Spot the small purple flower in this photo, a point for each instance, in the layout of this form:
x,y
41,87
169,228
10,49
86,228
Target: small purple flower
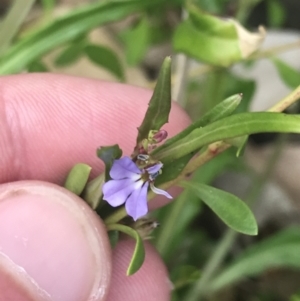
x,y
130,184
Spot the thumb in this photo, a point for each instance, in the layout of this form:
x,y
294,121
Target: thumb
x,y
52,245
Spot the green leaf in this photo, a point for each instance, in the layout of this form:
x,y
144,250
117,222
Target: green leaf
x,y
106,58
108,154
12,20
184,275
238,85
172,170
77,178
65,29
216,7
113,238
276,13
138,255
135,52
289,75
37,66
92,193
280,250
160,103
221,110
229,127
234,85
229,208
69,55
217,41
48,4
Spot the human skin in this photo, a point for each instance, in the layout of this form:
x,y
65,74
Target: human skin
x,y
51,244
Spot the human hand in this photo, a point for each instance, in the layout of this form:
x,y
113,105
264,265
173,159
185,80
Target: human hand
x,y
52,247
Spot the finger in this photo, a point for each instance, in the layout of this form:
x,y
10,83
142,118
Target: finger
x,y
150,283
50,122
52,245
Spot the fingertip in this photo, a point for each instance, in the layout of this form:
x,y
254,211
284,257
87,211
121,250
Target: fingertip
x,y
51,244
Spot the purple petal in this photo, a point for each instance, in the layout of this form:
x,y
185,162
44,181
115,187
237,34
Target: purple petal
x,y
155,168
136,205
116,192
160,191
124,168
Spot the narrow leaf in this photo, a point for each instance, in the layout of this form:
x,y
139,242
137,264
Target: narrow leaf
x,y
138,255
106,58
77,178
65,29
160,103
184,275
289,75
235,85
113,236
229,127
48,5
221,110
135,52
108,154
92,193
37,66
69,55
276,13
172,170
12,21
229,208
280,250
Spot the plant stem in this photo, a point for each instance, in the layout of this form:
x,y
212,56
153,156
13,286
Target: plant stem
x,y
12,21
182,66
116,216
275,50
201,287
163,238
286,101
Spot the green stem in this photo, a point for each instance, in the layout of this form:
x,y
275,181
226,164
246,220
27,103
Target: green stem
x,y
286,101
12,21
116,216
201,287
164,236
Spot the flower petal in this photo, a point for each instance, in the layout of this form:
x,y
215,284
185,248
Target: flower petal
x,y
116,192
124,168
136,205
160,191
155,168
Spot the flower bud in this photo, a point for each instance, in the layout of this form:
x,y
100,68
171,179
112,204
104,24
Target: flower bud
x,y
157,136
